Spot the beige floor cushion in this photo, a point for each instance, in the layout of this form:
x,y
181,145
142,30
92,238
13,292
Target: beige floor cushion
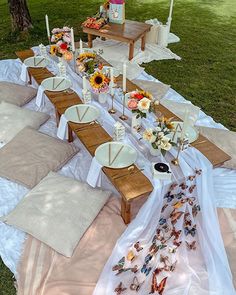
x,y
227,218
58,211
16,94
52,274
13,119
31,155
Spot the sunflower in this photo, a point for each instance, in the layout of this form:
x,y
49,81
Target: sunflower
x,y
86,55
98,80
53,49
146,94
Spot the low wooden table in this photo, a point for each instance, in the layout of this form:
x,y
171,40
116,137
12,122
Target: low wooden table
x,y
129,32
133,187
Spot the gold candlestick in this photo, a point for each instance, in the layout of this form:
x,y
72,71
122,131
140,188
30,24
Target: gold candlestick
x,y
112,110
180,148
123,116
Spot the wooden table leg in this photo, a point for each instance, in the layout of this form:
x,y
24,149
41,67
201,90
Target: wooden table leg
x,y
70,134
131,50
125,211
90,41
143,42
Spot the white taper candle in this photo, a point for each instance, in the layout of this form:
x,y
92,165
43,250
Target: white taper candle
x,y
124,76
80,46
47,26
112,81
72,40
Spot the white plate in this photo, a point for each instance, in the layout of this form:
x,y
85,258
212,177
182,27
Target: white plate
x,y
191,132
107,69
121,155
82,113
36,62
56,84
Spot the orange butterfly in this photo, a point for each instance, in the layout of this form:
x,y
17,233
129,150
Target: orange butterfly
x,y
175,215
157,288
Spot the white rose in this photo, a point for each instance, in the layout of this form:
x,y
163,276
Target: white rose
x,y
144,105
165,145
148,135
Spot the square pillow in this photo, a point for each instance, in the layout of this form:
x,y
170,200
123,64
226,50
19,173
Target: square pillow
x,y
13,119
29,157
58,211
16,94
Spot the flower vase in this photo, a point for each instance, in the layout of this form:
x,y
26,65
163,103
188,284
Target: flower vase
x,y
155,152
102,98
135,123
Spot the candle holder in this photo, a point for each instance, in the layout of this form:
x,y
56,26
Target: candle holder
x,y
123,116
180,148
112,110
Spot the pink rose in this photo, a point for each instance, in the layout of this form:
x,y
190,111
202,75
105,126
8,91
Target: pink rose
x,y
132,104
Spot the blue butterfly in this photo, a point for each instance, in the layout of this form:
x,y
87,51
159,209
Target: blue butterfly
x,y
179,195
145,270
191,231
162,221
148,258
169,197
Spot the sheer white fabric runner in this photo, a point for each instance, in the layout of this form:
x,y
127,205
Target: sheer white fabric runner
x,y
168,218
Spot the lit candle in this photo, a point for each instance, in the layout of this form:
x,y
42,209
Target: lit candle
x,y
124,77
80,46
185,124
47,26
112,81
72,39
84,83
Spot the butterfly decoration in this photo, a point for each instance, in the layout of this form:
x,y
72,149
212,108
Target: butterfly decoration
x,y
173,266
178,204
175,216
164,207
198,171
179,195
191,231
162,221
148,258
173,186
177,243
195,210
132,269
169,197
158,287
135,286
172,250
130,256
137,247
183,186
192,188
166,228
153,249
187,222
146,270
164,259
191,178
191,246
119,265
175,233
119,289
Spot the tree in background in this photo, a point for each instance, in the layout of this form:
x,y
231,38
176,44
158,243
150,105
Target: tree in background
x,y
20,16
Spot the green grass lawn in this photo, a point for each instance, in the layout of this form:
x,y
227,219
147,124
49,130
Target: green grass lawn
x,y
206,74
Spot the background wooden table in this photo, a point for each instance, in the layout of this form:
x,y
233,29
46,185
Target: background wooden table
x,y
129,32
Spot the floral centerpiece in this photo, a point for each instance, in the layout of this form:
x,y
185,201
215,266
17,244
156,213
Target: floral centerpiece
x,y
100,85
140,103
86,63
61,39
157,136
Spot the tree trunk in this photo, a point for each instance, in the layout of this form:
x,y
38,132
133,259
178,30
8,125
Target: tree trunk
x,y
20,15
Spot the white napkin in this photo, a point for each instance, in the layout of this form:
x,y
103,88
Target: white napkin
x,y
24,76
40,99
62,131
94,177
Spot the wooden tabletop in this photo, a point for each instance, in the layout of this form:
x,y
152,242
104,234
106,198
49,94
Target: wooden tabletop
x,y
129,31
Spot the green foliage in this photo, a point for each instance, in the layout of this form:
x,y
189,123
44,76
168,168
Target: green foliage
x,y
205,75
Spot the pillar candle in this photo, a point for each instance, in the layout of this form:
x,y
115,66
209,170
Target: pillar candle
x,y
124,76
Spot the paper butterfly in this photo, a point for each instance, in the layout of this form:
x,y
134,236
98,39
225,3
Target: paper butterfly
x,y
175,215
177,243
172,249
164,207
183,186
119,265
175,233
137,247
192,187
132,269
119,289
158,288
135,286
198,171
146,270
195,210
162,221
191,178
148,258
191,231
173,186
169,197
191,246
